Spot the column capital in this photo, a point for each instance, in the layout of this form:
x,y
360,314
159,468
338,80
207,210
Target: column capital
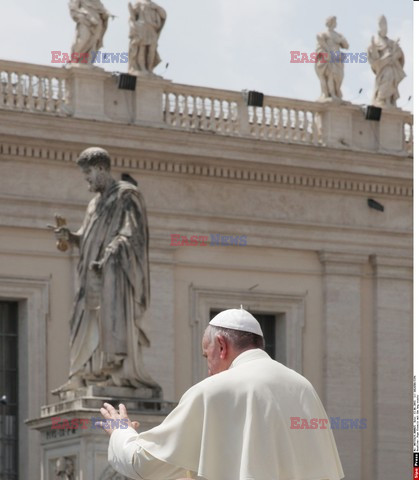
x,y
342,263
385,266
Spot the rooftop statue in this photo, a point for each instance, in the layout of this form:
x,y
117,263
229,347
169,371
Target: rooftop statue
x,y
146,23
387,61
329,67
91,19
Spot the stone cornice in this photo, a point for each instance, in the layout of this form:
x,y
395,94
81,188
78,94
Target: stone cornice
x,y
263,174
31,129
384,266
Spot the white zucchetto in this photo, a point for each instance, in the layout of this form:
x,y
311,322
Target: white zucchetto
x,y
237,319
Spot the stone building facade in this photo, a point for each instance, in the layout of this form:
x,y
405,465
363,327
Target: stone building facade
x,y
284,196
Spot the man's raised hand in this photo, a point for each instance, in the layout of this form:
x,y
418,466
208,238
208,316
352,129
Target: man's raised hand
x,y
114,419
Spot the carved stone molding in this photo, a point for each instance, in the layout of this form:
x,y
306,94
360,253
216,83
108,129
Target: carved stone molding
x,y
308,181
399,268
336,263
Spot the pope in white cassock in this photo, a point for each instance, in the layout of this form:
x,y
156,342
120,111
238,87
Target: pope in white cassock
x,y
234,425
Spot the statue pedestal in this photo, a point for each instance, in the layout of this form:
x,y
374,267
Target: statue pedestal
x,y
72,447
85,91
344,125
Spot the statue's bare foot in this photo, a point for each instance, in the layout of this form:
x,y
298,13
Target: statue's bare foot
x,y
73,383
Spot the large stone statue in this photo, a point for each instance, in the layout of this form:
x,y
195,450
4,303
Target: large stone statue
x,y
387,61
91,19
146,23
329,67
106,336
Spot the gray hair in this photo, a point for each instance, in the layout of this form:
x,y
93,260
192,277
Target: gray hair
x,y
94,157
240,340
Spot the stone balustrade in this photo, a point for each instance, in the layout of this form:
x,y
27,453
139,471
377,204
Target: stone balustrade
x,y
92,93
287,120
32,88
203,109
226,112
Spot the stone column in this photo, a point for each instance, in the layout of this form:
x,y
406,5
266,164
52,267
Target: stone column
x,y
393,297
342,310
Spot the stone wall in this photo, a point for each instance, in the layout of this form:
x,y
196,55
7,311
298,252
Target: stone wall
x,y
340,271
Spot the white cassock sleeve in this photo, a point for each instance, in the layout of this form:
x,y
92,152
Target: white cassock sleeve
x,y
127,457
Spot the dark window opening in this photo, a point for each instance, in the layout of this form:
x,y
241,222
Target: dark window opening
x,y
9,388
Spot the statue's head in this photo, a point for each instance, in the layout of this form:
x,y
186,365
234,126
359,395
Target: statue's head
x,y
382,26
96,165
331,22
93,157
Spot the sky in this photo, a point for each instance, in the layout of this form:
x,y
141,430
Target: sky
x,y
226,44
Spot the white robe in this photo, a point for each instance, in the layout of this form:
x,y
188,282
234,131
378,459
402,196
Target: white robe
x,y
235,426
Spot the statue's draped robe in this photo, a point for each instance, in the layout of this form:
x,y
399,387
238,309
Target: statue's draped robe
x,y
146,23
331,43
91,19
105,329
235,425
387,61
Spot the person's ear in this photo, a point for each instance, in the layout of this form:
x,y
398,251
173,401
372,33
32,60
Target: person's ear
x,y
222,345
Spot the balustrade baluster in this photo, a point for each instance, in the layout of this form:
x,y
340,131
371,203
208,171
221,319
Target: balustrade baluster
x,y
30,103
270,127
217,114
194,114
3,83
228,124
50,104
305,137
201,113
40,103
60,96
10,100
176,112
315,130
211,117
166,109
19,92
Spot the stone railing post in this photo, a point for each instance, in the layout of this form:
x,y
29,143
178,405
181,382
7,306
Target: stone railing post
x,y
149,100
86,92
336,126
243,116
345,126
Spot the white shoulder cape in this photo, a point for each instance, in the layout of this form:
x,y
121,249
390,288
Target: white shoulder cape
x,y
236,426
